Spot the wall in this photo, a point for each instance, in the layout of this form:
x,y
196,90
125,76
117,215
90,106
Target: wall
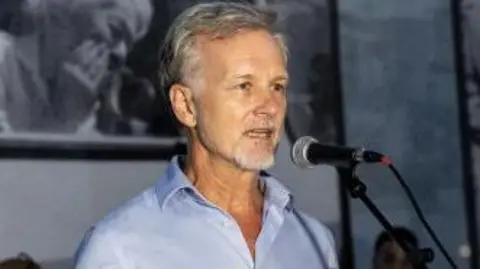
x,y
46,206
401,99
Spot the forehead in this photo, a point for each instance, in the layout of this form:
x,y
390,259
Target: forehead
x,y
249,45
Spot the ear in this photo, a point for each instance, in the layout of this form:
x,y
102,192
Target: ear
x,y
183,105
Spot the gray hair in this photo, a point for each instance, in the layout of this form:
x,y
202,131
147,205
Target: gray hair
x,y
217,20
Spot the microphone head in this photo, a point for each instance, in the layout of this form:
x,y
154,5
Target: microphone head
x,y
299,151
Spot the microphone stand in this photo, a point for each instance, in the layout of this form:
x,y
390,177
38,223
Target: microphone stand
x,y
418,257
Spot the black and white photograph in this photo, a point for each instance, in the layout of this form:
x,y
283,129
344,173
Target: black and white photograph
x,y
83,74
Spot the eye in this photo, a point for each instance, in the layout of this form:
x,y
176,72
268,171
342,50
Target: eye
x,y
279,87
245,86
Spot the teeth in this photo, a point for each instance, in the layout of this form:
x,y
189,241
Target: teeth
x,y
260,133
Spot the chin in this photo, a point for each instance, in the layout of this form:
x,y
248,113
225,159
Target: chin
x,y
256,156
254,162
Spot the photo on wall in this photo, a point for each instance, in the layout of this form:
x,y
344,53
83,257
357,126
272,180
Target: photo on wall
x,y
72,77
78,78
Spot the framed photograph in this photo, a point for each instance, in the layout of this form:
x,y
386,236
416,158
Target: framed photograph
x,y
78,79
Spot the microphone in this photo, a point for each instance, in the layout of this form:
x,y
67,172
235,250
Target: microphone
x,y
307,152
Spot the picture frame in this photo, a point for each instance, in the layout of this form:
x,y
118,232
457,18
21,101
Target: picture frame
x,y
78,80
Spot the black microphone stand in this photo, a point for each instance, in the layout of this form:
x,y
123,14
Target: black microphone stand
x,y
418,257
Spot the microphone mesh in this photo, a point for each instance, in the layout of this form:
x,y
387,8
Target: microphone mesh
x,y
299,152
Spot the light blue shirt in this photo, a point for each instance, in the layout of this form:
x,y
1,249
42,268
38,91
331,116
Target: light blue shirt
x,y
172,226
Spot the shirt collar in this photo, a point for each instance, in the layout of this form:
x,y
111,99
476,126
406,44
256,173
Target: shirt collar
x,y
275,192
175,180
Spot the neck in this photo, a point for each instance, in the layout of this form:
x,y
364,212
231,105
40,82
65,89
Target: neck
x,y
224,184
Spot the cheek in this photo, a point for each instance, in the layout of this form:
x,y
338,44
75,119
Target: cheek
x,y
282,113
220,120
228,112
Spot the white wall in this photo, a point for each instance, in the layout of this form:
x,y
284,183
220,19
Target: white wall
x,y
46,206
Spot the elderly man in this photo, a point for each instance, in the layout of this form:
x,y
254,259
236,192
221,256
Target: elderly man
x,y
225,70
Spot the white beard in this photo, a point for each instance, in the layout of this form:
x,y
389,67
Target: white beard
x,y
250,162
240,155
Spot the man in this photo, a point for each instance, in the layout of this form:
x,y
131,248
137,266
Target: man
x,y
225,70
61,64
388,254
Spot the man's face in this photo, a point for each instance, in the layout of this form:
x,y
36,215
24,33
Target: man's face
x,y
242,100
391,256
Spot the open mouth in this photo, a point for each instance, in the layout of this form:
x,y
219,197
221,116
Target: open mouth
x,y
260,133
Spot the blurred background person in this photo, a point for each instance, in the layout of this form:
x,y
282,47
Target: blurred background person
x,y
388,254
22,261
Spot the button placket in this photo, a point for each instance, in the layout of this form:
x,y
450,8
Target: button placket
x,y
225,225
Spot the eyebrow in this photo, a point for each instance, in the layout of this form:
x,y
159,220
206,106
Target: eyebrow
x,y
249,76
281,77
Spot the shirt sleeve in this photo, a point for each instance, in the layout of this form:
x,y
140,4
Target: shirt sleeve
x,y
97,251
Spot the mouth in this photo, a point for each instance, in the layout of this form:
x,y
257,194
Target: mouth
x,y
260,133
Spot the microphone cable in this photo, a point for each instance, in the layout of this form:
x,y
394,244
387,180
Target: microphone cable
x,y
386,161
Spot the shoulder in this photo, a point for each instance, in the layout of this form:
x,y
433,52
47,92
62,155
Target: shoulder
x,y
130,215
105,239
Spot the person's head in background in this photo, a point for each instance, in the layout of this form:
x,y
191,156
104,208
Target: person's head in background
x,y
388,254
22,261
